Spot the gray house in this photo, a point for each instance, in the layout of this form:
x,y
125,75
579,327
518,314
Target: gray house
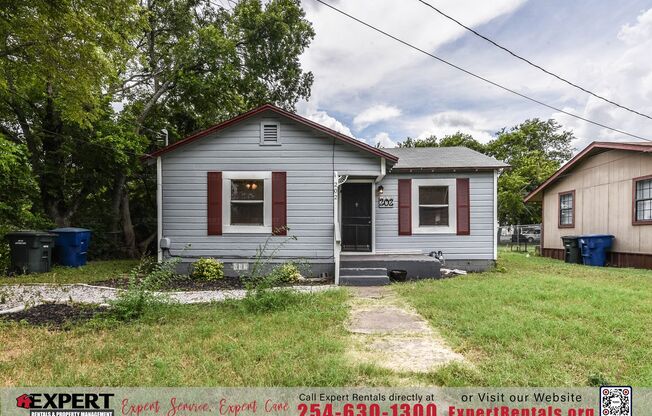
x,y
350,208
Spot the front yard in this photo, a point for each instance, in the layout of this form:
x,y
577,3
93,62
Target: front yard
x,y
533,321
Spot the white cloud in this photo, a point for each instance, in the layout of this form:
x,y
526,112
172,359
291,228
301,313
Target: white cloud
x,y
323,118
384,140
641,31
375,114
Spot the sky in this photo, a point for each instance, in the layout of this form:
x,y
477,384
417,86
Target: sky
x,y
372,88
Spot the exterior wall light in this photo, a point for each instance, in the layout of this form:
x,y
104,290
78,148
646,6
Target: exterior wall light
x,y
380,190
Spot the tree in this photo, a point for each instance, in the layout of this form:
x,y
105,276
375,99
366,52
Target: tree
x,y
56,60
535,149
198,64
464,140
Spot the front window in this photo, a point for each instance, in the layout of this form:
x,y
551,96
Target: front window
x,y
643,201
433,206
247,202
566,209
247,198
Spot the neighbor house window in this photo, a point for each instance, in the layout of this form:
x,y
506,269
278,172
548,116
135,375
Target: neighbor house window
x,y
433,206
247,202
567,209
643,200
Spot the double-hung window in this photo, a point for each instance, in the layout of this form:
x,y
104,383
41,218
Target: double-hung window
x,y
247,202
643,200
567,209
433,206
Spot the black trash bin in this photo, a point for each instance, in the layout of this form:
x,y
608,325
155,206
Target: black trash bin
x,y
572,249
31,251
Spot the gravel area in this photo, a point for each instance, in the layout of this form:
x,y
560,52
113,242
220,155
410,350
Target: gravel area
x,y
14,298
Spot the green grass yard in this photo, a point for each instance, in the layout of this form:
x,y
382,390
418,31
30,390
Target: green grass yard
x,y
94,271
534,322
540,322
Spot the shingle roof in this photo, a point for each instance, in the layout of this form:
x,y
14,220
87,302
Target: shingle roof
x,y
442,158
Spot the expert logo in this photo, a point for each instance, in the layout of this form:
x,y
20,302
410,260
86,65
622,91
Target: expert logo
x,y
66,404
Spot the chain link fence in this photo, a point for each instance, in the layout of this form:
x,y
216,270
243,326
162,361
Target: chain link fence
x,y
519,236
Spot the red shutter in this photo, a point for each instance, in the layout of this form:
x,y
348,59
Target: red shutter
x,y
463,207
279,203
214,203
404,207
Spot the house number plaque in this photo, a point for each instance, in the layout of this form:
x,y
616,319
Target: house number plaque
x,y
385,202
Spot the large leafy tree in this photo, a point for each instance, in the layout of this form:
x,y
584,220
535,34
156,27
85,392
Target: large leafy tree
x,y
86,86
199,63
535,149
56,59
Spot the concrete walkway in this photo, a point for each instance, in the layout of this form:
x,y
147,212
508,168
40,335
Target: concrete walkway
x,y
388,333
14,298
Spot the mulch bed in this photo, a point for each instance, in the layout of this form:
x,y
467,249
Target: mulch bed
x,y
190,284
56,315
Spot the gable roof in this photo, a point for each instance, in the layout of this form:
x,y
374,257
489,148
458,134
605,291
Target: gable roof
x,y
590,150
292,116
442,158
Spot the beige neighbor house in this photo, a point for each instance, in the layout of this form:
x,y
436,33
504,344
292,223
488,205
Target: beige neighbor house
x,y
604,189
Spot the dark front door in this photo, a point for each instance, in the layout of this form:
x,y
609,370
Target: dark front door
x,y
356,217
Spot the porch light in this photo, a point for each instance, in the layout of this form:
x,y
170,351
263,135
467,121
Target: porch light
x,y
380,190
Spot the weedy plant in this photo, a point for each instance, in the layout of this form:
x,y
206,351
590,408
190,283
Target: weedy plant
x,y
144,279
259,281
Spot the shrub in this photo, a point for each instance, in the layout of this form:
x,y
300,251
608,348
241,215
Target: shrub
x,y
286,273
208,269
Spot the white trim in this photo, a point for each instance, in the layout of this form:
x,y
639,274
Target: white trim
x,y
451,228
277,142
337,247
159,208
227,228
495,192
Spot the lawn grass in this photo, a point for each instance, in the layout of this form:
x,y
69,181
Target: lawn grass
x,y
221,344
94,271
541,322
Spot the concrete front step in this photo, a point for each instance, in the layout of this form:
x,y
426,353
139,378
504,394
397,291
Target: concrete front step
x,y
364,280
363,271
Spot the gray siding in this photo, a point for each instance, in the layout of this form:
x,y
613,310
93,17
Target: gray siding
x,y
479,245
308,157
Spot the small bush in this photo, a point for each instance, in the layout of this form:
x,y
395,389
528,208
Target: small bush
x,y
208,269
286,273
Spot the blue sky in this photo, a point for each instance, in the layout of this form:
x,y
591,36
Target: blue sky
x,y
377,90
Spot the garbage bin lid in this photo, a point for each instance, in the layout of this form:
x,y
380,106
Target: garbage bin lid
x,y
70,230
597,236
30,233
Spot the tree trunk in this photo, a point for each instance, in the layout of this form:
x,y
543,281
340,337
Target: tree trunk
x,y
127,227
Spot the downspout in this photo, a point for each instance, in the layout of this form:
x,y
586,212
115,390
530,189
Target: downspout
x,y
383,170
159,208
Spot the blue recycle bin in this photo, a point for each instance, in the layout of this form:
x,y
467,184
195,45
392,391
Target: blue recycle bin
x,y
594,248
71,246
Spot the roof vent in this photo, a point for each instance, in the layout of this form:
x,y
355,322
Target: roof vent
x,y
270,133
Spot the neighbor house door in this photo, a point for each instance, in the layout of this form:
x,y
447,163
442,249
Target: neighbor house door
x,y
356,217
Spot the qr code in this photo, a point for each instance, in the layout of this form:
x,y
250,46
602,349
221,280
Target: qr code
x,y
616,401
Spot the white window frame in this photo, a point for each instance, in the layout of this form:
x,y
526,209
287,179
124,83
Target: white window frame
x,y
227,228
451,228
277,142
